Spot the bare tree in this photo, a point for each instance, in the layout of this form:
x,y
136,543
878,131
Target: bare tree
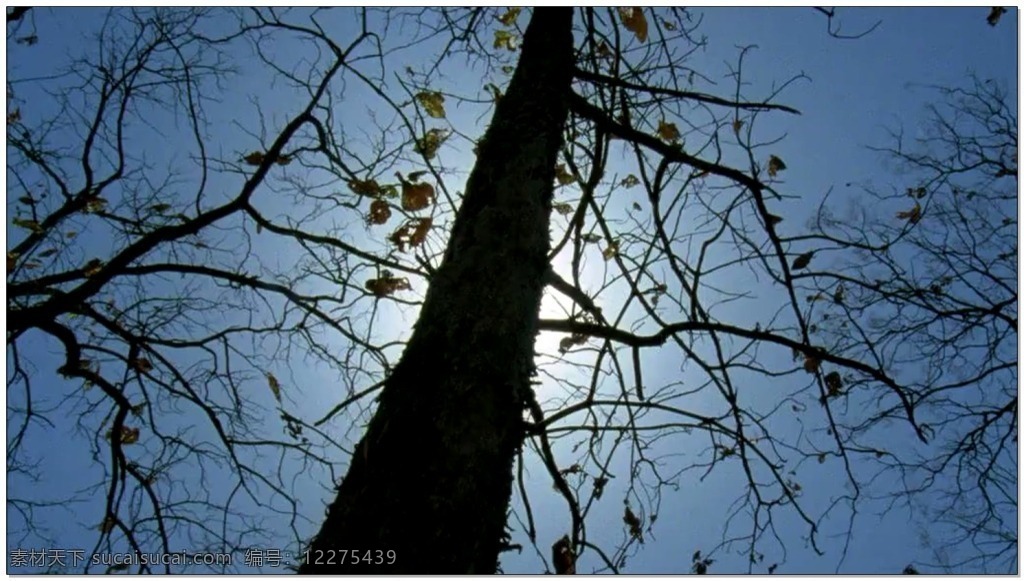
x,y
930,288
189,293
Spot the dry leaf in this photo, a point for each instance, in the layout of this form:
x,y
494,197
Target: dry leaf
x,y
611,251
364,187
562,208
775,165
838,295
564,177
802,261
912,215
92,267
14,116
563,557
433,103
504,39
591,238
275,386
629,181
811,363
633,523
668,24
254,158
380,211
12,260
773,219
386,284
95,204
28,224
127,435
737,125
668,131
142,364
509,17
634,20
428,145
416,196
834,383
108,524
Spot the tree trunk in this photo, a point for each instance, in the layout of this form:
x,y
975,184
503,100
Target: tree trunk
x,y
432,478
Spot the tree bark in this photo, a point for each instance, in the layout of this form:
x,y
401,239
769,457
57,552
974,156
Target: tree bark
x,y
431,479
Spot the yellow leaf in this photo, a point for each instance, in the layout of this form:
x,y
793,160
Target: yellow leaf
x,y
504,39
275,386
95,204
416,196
564,177
29,224
668,131
509,17
562,208
629,181
634,21
127,435
380,211
428,145
254,158
611,251
912,215
92,267
775,165
433,103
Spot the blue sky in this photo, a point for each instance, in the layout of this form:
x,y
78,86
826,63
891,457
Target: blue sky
x,y
853,92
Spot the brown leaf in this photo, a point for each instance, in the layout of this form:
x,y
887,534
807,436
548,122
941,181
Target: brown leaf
x,y
834,383
386,285
773,219
802,261
92,267
142,364
14,116
416,196
254,158
12,260
108,524
629,181
633,523
737,125
380,211
563,557
28,224
634,20
811,364
364,187
775,165
912,215
275,386
668,131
